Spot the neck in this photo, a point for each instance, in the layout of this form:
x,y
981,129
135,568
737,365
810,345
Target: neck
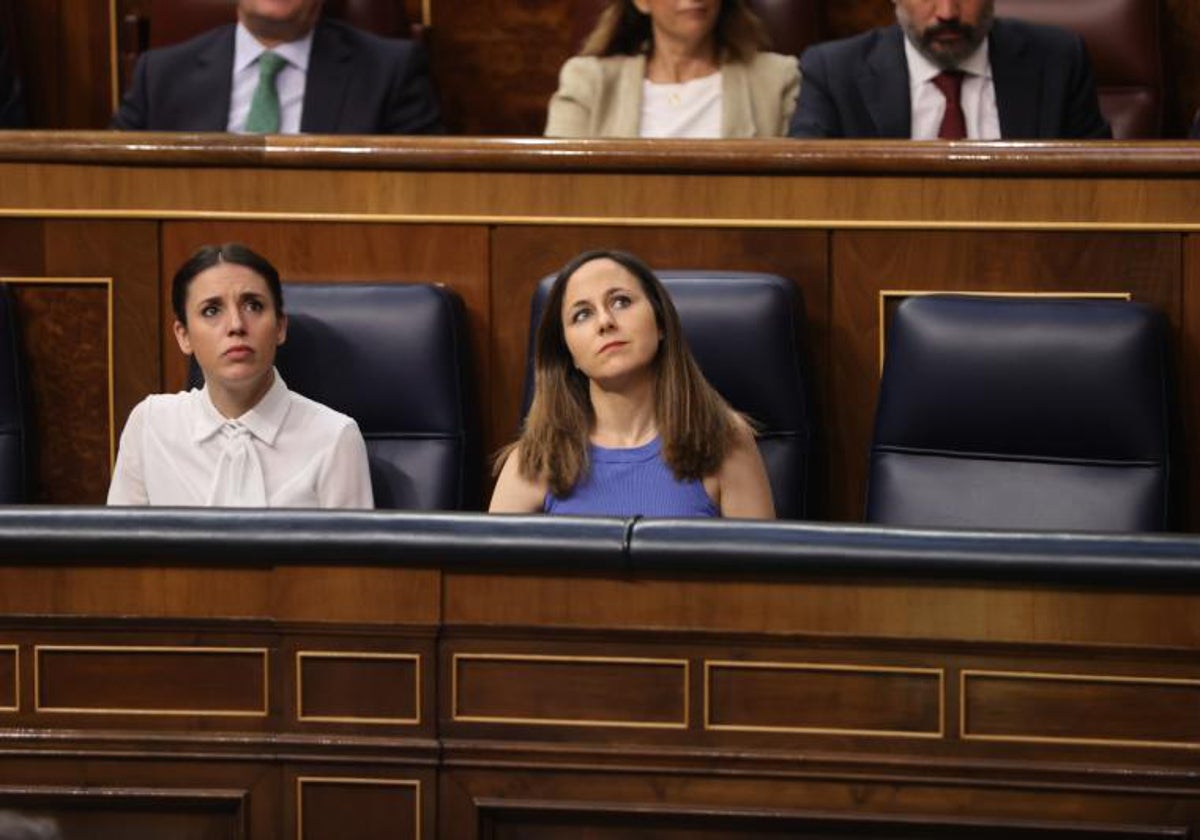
x,y
625,416
232,402
673,62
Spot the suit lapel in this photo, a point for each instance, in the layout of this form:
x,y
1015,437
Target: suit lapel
x,y
883,83
737,119
1016,75
210,85
329,69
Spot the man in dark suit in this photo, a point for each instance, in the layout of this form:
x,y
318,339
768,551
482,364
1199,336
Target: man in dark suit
x,y
335,79
1015,80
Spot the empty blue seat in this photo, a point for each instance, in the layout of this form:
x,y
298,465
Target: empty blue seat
x,y
1022,413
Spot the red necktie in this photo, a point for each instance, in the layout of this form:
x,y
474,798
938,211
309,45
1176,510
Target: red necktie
x,y
954,122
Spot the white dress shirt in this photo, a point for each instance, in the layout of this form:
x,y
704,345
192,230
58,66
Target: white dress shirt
x,y
289,83
682,109
287,451
978,95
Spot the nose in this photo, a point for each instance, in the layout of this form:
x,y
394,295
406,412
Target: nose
x,y
237,324
606,321
946,9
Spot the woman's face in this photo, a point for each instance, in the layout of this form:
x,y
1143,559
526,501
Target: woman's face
x,y
232,327
688,23
609,323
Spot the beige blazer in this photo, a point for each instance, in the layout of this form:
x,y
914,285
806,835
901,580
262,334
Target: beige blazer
x,y
602,97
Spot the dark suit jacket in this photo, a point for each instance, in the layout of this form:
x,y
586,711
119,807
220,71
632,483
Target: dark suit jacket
x,y
357,83
858,87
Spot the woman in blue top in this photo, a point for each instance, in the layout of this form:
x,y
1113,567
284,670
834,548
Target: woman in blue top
x,y
623,422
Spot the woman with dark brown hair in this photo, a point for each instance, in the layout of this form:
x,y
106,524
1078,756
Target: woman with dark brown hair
x,y
675,68
623,422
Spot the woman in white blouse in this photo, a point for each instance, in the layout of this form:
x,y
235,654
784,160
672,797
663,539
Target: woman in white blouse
x,y
244,439
675,68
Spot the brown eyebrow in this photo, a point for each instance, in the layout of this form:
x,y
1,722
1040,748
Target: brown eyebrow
x,y
607,293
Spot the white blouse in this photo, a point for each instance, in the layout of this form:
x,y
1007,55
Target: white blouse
x,y
686,109
287,451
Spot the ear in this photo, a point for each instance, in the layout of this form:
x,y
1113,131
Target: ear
x,y
281,330
181,335
643,6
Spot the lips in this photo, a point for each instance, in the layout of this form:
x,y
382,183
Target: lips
x,y
612,345
240,351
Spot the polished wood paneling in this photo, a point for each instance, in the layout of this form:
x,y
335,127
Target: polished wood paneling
x,y
133,814
534,821
127,252
1128,711
496,63
569,690
335,807
66,61
309,593
10,694
358,687
864,263
827,606
762,696
158,680
66,343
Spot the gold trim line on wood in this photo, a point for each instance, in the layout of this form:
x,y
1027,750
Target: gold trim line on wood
x,y
534,657
885,295
327,654
233,651
16,699
1057,677
110,340
427,13
415,784
601,221
940,673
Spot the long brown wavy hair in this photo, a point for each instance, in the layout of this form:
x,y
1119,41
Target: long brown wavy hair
x,y
622,29
695,424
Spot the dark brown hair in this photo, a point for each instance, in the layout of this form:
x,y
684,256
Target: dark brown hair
x,y
622,29
695,423
206,256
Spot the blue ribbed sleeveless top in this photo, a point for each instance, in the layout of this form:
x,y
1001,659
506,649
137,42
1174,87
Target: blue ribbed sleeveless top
x,y
630,482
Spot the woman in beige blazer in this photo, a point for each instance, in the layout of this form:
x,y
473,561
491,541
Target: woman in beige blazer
x,y
645,58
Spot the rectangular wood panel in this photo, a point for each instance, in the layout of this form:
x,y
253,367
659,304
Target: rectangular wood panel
x,y
1098,709
334,808
151,680
570,690
10,687
842,699
348,687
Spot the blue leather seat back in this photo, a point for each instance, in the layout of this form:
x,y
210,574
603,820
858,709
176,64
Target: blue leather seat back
x,y
1020,413
15,424
394,357
744,329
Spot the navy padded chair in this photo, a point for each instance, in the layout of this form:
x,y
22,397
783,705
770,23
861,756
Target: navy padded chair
x,y
1022,413
15,425
394,357
744,330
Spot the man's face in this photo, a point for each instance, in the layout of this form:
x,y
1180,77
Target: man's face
x,y
945,31
277,21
